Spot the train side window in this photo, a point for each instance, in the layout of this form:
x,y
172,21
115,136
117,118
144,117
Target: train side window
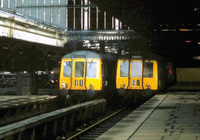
x,y
91,69
136,69
67,72
148,69
79,69
124,69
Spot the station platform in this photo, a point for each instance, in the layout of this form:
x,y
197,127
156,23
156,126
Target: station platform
x,y
14,101
14,108
170,116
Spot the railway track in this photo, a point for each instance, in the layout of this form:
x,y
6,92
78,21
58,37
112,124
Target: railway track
x,y
99,127
95,128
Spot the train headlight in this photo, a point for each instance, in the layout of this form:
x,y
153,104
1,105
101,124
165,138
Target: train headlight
x,y
63,85
148,86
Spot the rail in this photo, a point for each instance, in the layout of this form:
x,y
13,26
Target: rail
x,y
95,124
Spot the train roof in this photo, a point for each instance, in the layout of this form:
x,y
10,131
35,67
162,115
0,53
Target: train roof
x,y
88,54
141,55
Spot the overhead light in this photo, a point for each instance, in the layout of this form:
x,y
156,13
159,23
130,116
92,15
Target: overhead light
x,y
188,41
196,8
5,48
196,57
184,30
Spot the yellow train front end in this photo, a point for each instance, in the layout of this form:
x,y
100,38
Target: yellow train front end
x,y
136,74
81,73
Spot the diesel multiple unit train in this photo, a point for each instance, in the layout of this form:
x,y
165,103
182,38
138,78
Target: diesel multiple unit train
x,y
90,73
87,72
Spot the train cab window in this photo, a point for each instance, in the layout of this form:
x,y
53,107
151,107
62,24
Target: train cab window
x,y
67,71
148,69
79,69
124,66
136,69
91,69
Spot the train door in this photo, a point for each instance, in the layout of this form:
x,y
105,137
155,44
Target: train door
x,y
78,75
93,80
122,74
150,75
66,73
135,81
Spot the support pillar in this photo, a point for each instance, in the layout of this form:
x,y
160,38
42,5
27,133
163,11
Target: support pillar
x,y
86,19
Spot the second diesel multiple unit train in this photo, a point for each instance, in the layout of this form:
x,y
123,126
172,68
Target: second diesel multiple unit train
x,y
89,73
143,72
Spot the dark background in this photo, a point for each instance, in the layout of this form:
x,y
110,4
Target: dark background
x,y
161,21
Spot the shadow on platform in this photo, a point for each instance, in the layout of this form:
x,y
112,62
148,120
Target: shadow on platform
x,y
40,91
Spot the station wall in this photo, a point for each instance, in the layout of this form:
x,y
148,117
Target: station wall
x,y
188,75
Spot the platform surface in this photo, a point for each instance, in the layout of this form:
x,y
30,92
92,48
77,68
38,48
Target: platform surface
x,y
170,116
7,101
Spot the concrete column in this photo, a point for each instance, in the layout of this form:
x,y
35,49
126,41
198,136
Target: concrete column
x,y
44,10
24,84
37,11
102,46
81,15
59,10
29,11
66,15
22,8
89,16
97,18
1,3
51,11
9,4
120,26
86,19
15,3
64,124
74,23
113,23
32,136
55,124
104,20
116,24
